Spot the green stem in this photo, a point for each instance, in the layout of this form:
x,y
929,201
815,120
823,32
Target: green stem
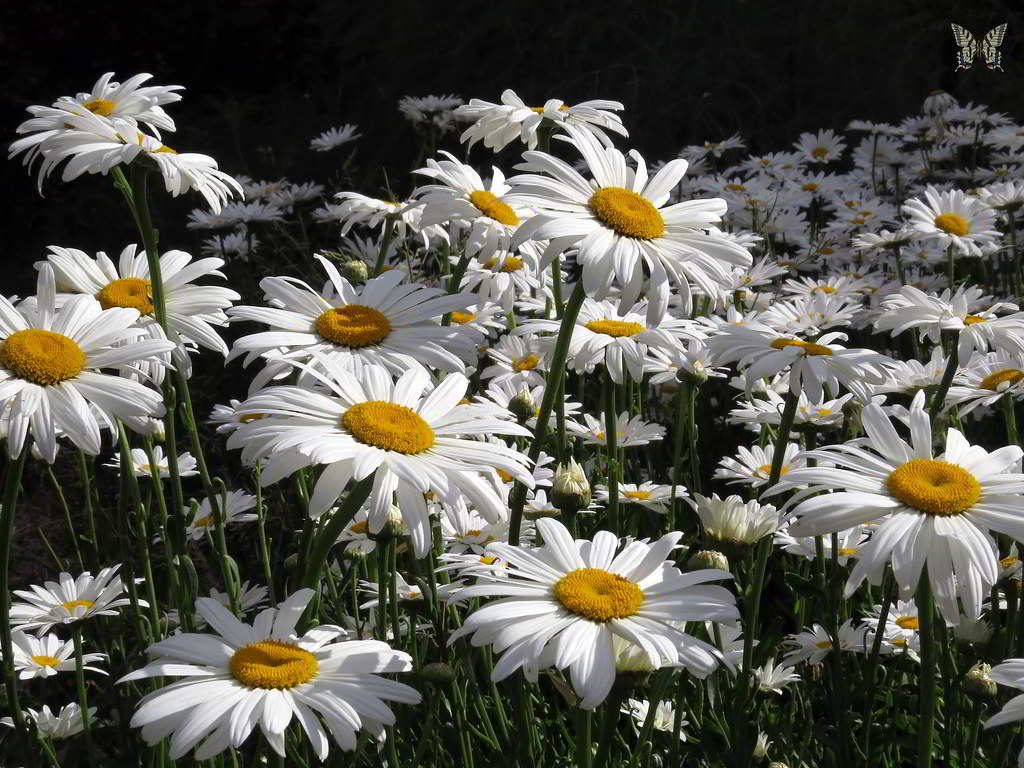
x,y
611,419
72,533
583,738
677,450
12,487
692,391
555,373
261,530
83,698
608,729
141,534
330,530
84,477
939,398
926,700
972,739
888,591
385,243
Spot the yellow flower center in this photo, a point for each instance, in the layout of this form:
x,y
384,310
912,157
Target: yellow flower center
x,y
598,595
951,223
805,346
823,644
72,604
819,152
46,661
823,289
1006,376
203,522
362,526
461,318
907,622
973,319
826,251
273,664
527,363
43,357
493,208
615,328
641,495
388,426
353,325
809,187
101,107
245,418
488,560
735,187
627,213
847,551
505,476
1009,562
540,110
766,469
934,487
130,292
511,264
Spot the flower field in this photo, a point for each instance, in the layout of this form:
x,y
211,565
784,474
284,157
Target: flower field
x,y
546,454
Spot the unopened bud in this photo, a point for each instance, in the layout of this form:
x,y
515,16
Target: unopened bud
x,y
355,271
570,490
394,528
978,683
523,406
437,673
707,558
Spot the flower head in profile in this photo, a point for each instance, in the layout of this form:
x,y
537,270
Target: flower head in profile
x,y
733,522
69,600
233,506
67,722
266,674
563,604
334,138
813,646
47,655
953,219
159,464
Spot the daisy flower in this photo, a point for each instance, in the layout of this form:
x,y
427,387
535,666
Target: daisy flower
x,y
694,361
96,145
733,522
234,506
505,278
143,467
629,432
953,219
664,716
498,125
333,138
930,510
63,725
772,679
1009,673
653,496
430,111
47,655
821,147
985,380
620,223
753,466
516,398
815,645
608,333
850,542
466,530
518,360
266,674
68,600
564,602
49,370
386,321
461,196
409,442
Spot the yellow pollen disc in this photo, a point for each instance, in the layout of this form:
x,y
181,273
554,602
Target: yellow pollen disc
x,y
461,318
353,325
710,145
130,292
165,148
101,107
472,532
823,644
615,328
848,551
272,664
505,476
1005,376
809,187
245,418
46,661
511,264
934,487
43,357
805,346
826,251
487,560
598,595
823,289
72,604
641,495
388,426
907,622
203,522
490,206
824,411
973,319
819,152
898,641
363,526
1009,562
527,363
952,223
767,469
735,187
627,213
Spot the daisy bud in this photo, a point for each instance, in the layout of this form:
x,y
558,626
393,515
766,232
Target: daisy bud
x,y
394,528
523,406
437,673
707,558
570,490
978,684
355,271
761,746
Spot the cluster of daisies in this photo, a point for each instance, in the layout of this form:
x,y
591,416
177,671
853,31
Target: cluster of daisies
x,y
582,416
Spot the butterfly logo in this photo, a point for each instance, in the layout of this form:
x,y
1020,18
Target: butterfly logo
x,y
967,47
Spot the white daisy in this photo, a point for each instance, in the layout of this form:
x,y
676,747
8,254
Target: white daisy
x,y
565,601
234,506
49,370
619,222
768,410
47,655
934,511
772,679
733,522
629,432
333,138
850,542
821,147
437,112
815,645
387,321
518,360
953,219
985,379
753,466
373,425
653,496
664,716
143,467
505,278
266,674
69,600
63,725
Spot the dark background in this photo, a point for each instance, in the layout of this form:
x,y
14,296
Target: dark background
x,y
264,76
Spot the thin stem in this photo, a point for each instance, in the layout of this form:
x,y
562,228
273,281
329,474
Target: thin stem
x,y
72,533
939,398
608,729
328,534
888,590
583,738
385,243
926,700
12,486
83,698
611,435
